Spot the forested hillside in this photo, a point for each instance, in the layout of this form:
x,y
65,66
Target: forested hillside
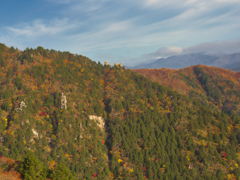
x,y
214,87
114,124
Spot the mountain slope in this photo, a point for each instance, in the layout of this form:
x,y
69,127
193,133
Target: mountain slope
x,y
115,124
214,87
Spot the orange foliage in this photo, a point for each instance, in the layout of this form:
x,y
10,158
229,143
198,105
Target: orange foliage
x,y
9,173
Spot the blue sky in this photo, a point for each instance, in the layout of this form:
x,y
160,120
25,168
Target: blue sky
x,y
126,31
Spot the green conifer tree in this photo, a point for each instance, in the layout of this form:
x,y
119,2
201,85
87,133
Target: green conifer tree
x,y
31,168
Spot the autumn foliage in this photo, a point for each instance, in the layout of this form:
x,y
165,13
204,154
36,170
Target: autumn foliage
x,y
179,125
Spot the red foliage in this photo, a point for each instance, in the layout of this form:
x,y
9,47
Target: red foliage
x,y
94,175
43,114
144,168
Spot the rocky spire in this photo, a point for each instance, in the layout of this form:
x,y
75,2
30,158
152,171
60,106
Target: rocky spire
x,y
63,101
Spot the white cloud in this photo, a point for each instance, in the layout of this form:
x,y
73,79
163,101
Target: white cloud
x,y
221,47
108,37
231,46
38,28
83,6
150,57
169,51
176,4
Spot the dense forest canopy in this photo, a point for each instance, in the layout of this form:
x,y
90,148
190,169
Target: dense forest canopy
x,y
214,87
117,124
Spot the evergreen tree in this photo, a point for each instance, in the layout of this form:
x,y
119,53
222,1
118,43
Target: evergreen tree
x,y
61,172
31,168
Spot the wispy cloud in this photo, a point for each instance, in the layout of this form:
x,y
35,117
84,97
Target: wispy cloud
x,y
106,38
186,3
87,6
231,46
38,28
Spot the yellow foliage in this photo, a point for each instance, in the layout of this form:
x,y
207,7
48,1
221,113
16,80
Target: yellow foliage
x,y
130,170
12,133
120,160
53,136
4,132
236,165
117,154
230,176
51,164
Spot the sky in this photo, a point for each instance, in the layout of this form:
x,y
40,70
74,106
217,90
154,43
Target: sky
x,y
125,31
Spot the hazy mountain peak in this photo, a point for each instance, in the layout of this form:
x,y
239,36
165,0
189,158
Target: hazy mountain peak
x,y
228,61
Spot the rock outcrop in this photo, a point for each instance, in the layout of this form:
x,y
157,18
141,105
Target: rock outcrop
x,y
99,120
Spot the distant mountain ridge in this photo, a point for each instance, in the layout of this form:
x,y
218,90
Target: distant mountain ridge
x,y
226,61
